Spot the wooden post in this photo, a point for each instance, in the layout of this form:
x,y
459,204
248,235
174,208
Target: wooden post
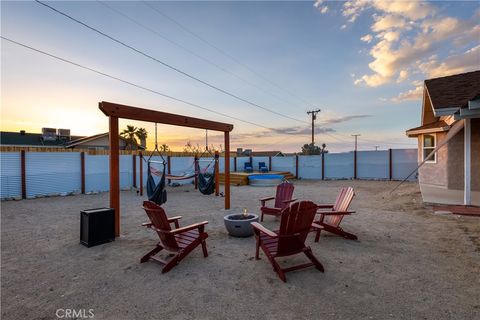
x,y
467,194
134,169
390,164
114,172
140,169
270,163
197,171
235,164
82,172
227,170
355,164
251,162
169,168
323,165
217,174
23,174
296,166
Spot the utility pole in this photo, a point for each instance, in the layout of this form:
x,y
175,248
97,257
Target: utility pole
x,y
314,117
376,148
356,135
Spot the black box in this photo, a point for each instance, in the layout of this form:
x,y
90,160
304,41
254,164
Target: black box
x,y
97,226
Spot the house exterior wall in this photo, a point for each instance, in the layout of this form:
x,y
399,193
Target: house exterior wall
x,y
455,163
101,142
434,173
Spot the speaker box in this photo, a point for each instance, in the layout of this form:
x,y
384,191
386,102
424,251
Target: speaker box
x,y
97,226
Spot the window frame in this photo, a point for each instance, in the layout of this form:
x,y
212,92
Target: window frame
x,y
434,135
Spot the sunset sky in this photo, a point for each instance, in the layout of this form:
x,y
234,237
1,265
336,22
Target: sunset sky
x,y
361,62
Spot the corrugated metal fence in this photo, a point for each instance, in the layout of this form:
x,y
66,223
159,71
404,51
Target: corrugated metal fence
x,y
60,173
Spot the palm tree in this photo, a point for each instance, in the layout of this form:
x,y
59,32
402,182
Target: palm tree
x,y
142,134
129,135
164,148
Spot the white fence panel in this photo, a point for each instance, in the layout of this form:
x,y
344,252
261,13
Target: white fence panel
x,y
310,167
372,165
283,164
10,175
404,162
126,174
52,173
241,163
339,165
221,164
182,166
257,160
97,175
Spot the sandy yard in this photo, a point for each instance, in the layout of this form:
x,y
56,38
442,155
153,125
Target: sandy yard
x,y
407,264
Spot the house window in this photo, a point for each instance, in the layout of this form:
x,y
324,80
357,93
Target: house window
x,y
429,143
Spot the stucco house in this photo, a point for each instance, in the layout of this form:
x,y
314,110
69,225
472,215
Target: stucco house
x,y
449,140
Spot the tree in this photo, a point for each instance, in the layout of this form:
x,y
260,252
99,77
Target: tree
x,y
142,134
312,149
129,135
164,148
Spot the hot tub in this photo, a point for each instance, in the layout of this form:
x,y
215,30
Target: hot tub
x,y
265,180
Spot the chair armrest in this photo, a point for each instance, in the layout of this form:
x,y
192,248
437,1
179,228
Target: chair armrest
x,y
257,226
288,201
146,224
265,200
151,226
172,219
325,206
336,213
316,226
188,228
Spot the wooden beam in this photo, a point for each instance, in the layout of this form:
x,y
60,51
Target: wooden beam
x,y
270,163
235,164
134,170
82,172
296,166
354,164
467,196
134,113
197,170
227,170
23,174
217,174
390,164
114,171
323,165
140,169
169,168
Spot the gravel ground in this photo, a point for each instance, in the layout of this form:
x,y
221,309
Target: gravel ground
x,y
407,264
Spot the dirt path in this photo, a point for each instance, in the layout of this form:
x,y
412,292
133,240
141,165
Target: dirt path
x,y
408,263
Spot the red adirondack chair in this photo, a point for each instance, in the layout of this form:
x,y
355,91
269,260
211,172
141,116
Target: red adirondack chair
x,y
295,223
330,219
179,241
283,198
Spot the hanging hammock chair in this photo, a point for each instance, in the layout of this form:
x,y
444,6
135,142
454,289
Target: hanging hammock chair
x,y
206,182
156,192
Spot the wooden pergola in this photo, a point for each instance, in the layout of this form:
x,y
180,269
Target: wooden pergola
x,y
116,111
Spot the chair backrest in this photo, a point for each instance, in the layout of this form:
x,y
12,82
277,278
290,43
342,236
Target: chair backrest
x,y
344,199
295,223
247,165
284,192
262,165
159,219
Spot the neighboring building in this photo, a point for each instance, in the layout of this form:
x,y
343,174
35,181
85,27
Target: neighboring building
x,y
249,152
49,138
451,128
61,138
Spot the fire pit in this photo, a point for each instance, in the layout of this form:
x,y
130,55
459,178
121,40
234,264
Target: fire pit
x,y
238,224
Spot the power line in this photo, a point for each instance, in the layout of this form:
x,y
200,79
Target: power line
x,y
188,30
133,84
166,64
186,49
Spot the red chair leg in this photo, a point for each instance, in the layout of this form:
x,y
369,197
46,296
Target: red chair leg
x,y
204,248
151,253
317,235
314,259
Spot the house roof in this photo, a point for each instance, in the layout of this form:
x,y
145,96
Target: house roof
x,y
30,139
437,126
453,91
81,140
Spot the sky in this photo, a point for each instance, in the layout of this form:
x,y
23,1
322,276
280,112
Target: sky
x,y
361,62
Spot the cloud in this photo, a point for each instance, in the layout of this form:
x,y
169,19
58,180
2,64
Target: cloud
x,y
367,38
406,34
344,26
410,95
339,119
324,9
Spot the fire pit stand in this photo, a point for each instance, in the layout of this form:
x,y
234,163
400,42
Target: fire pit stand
x,y
238,224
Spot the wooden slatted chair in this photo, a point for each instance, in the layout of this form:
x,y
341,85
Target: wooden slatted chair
x,y
330,219
179,241
296,221
283,198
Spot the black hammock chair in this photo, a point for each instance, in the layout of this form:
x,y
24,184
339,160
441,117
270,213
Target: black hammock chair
x,y
206,182
156,192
